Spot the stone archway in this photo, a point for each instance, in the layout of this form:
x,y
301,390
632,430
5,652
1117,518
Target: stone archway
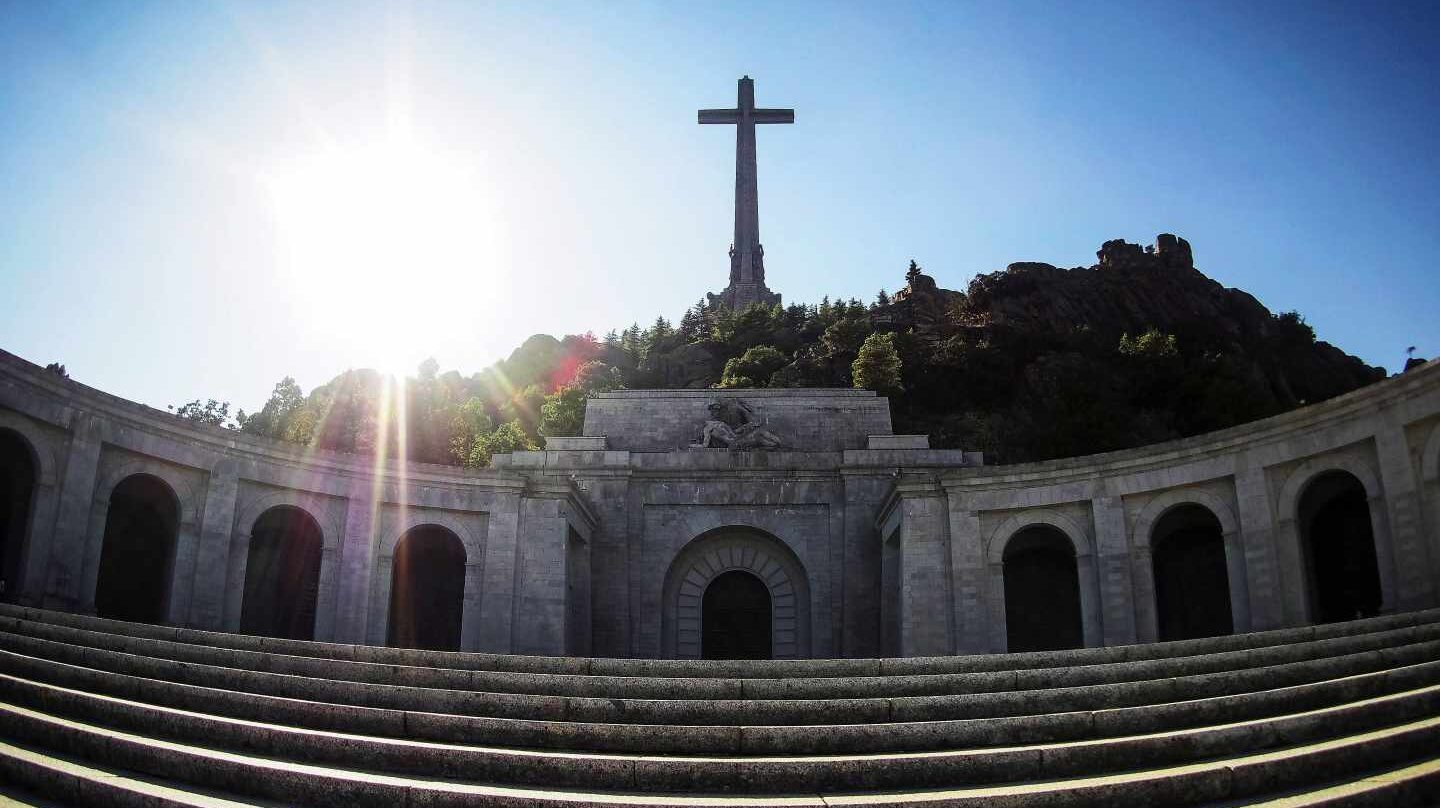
x,y
427,590
1192,582
1293,541
1081,557
282,574
1338,545
1042,591
705,559
137,555
19,474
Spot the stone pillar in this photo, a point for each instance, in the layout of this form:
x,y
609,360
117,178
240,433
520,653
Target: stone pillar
x,y
182,573
1410,559
39,540
65,573
357,551
207,599
925,594
969,579
1258,537
470,610
1112,562
1142,578
540,584
497,593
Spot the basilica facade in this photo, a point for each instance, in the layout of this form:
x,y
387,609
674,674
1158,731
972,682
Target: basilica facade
x,y
722,523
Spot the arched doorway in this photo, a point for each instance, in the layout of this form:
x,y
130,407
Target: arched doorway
x,y
427,590
282,575
1042,591
1339,546
735,618
17,491
1192,583
138,550
713,554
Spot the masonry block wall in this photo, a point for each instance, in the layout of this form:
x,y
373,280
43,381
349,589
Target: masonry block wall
x,y
872,543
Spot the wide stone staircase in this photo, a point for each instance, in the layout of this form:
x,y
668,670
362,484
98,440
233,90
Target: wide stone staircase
x,y
98,713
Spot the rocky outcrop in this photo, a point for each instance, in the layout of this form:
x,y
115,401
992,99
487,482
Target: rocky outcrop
x,y
1132,289
921,303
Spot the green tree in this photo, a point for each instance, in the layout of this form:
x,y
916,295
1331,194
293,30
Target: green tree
x,y
913,273
753,368
508,437
877,367
1152,343
471,421
272,421
211,413
563,412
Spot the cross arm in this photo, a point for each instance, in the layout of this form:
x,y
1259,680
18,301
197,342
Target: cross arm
x,y
719,116
774,116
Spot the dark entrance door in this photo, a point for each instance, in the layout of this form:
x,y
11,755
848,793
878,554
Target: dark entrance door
x,y
282,575
427,590
1192,584
1042,592
735,618
17,487
1340,546
139,548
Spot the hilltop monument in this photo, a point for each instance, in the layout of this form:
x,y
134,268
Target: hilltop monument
x,y
747,257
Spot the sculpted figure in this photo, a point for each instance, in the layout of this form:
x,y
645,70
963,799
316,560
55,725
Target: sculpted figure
x,y
732,425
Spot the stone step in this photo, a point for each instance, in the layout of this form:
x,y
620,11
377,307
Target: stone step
x,y
66,782
732,669
674,688
725,711
762,740
293,783
1415,785
48,709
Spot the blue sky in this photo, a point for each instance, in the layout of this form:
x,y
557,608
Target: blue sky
x,y
197,199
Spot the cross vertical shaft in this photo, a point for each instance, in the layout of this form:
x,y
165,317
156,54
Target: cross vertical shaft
x,y
747,256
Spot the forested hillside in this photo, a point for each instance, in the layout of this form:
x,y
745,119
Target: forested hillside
x,y
1030,363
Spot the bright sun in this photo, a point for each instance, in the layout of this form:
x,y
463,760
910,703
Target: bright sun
x,y
386,248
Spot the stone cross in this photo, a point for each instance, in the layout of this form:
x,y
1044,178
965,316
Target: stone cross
x,y
747,257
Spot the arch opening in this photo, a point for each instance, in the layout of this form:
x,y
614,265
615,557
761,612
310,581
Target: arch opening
x,y
1192,581
17,491
1338,543
735,618
1042,591
735,548
282,575
138,552
427,590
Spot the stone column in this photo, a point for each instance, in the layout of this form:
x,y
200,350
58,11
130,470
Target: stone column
x,y
497,593
207,600
540,584
1410,560
39,540
1112,567
925,594
969,579
470,610
182,573
65,574
356,561
1142,578
1257,535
